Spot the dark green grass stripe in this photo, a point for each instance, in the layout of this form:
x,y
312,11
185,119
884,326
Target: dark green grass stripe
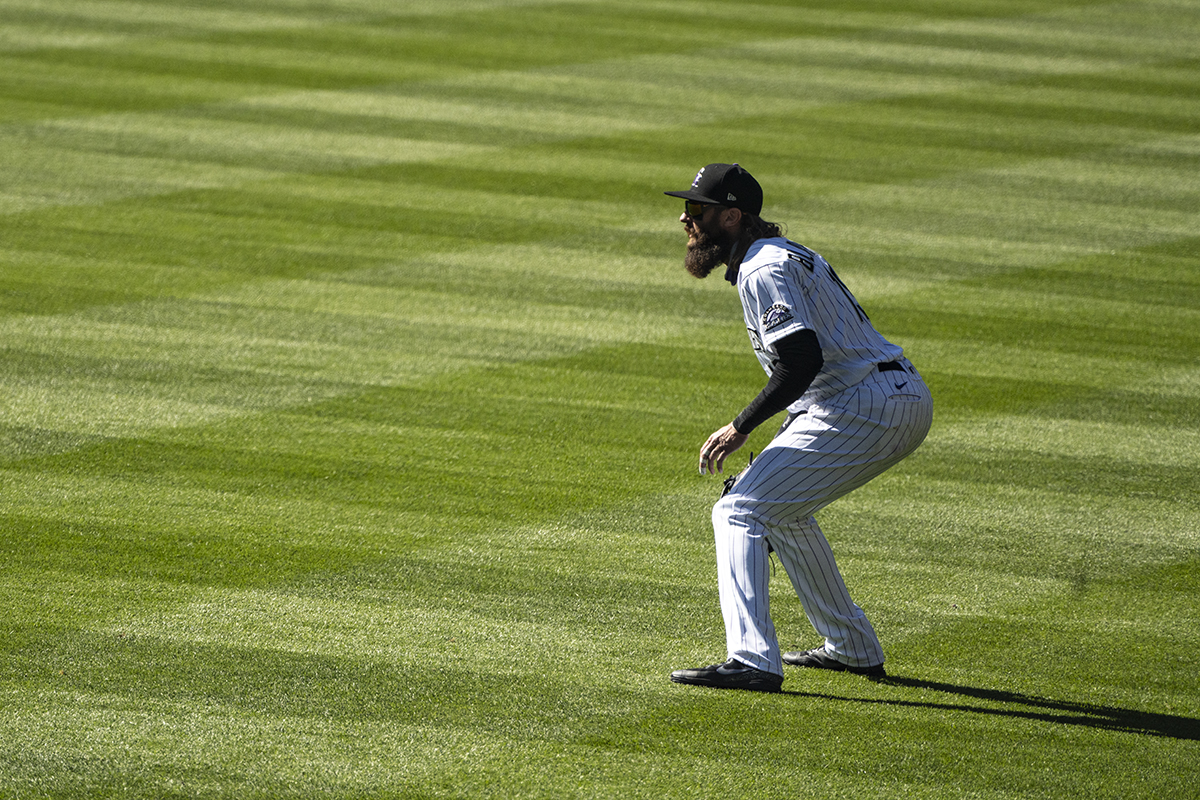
x,y
1173,79
977,396
157,548
1179,119
33,296
264,604
387,50
1098,477
298,72
402,49
55,88
263,232
587,293
368,125
1123,281
1063,334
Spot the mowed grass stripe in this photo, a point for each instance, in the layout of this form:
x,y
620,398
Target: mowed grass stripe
x,y
474,576
230,142
53,173
144,17
295,342
1074,227
223,140
123,379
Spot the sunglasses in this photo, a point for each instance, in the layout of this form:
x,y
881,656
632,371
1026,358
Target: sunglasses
x,y
695,210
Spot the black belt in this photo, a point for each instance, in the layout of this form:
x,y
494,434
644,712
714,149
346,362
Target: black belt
x,y
890,366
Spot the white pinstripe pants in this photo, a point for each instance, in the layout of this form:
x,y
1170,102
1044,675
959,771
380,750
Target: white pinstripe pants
x,y
821,455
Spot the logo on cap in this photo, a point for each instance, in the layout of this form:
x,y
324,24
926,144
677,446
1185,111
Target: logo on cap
x,y
699,175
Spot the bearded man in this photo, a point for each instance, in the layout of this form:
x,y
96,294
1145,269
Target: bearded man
x,y
856,406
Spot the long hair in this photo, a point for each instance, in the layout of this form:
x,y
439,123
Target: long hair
x,y
755,227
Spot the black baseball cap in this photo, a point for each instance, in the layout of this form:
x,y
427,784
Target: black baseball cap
x,y
728,185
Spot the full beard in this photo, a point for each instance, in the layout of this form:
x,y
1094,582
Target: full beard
x,y
707,252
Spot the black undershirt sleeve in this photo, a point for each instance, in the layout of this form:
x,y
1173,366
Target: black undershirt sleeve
x,y
799,362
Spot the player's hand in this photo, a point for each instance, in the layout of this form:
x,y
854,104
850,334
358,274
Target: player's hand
x,y
718,446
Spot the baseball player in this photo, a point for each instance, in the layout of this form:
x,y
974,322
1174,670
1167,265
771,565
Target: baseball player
x,y
855,407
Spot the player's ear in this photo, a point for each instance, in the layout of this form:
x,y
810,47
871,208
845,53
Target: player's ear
x,y
731,219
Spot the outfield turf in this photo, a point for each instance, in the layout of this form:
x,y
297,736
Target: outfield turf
x,y
351,390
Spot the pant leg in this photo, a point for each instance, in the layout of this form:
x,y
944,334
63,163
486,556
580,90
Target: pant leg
x,y
808,561
821,456
743,575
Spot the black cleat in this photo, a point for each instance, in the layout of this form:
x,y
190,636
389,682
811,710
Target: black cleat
x,y
730,675
820,658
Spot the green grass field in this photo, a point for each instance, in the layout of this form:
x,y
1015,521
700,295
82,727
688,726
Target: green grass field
x,y
351,392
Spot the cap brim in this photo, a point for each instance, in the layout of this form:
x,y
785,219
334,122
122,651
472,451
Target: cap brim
x,y
691,194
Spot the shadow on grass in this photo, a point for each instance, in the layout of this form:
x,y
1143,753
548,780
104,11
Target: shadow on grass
x,y
1061,712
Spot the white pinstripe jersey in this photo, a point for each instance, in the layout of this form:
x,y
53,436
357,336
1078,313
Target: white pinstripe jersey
x,y
785,287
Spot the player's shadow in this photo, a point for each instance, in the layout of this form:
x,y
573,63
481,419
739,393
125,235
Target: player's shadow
x,y
1061,712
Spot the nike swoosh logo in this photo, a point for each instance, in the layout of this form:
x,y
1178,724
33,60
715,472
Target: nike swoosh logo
x,y
901,385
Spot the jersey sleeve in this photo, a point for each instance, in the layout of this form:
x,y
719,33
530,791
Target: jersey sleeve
x,y
775,303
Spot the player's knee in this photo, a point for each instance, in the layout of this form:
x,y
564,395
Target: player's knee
x,y
723,509
735,510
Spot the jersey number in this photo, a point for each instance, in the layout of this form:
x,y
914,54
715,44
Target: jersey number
x,y
805,256
857,308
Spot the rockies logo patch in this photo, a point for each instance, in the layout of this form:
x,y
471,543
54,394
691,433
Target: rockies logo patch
x,y
775,316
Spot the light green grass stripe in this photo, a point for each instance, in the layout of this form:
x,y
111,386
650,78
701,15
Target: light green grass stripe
x,y
285,342
115,408
208,748
168,16
227,141
47,90
426,759
1091,105
521,264
941,209
646,87
1035,305
63,273
1111,30
233,142
435,310
427,103
264,372
1037,361
1139,443
100,159
284,14
345,66
189,518
515,209
43,174
985,598
1181,147
1104,178
979,251
254,326
15,37
395,627
1039,533
969,61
